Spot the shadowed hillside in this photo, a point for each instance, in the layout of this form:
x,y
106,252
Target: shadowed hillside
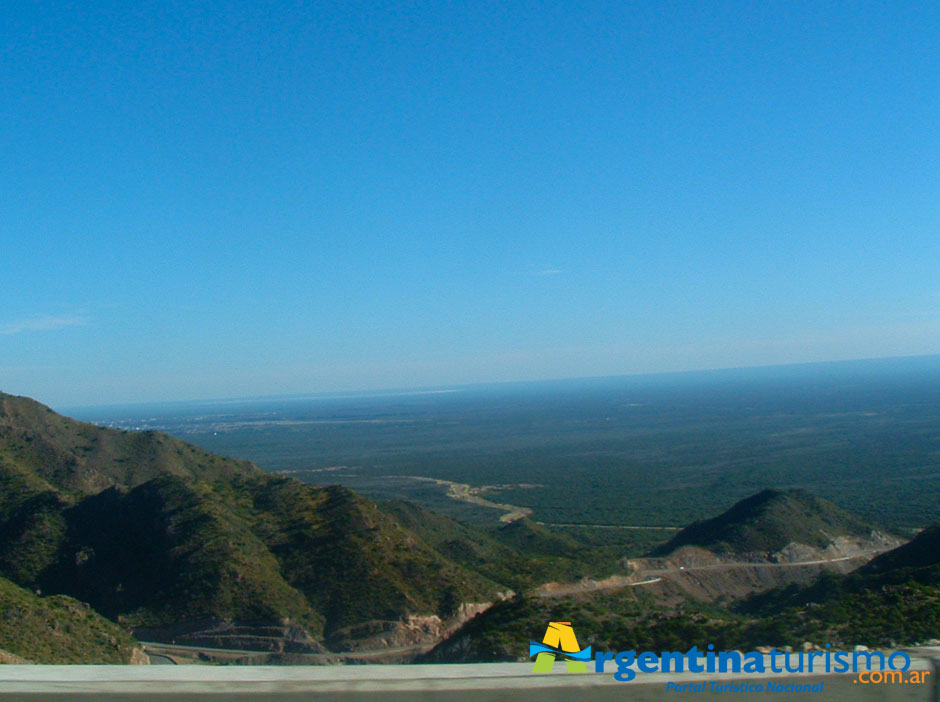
x,y
767,523
159,534
918,559
893,599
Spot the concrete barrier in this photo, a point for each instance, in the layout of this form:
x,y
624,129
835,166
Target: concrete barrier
x,y
496,682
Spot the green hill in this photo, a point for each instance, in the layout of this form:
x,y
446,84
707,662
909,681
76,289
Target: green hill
x,y
40,449
167,551
520,555
59,629
529,537
156,533
353,562
767,522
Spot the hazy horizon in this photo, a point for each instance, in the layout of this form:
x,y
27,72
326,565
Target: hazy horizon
x,y
766,372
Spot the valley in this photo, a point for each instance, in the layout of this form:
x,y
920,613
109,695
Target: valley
x,y
374,552
658,451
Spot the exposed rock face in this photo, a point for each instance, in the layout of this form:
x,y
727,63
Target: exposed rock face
x,y
691,571
839,547
11,659
863,548
138,657
585,585
411,631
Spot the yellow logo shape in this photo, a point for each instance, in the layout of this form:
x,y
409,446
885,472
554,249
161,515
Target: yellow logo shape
x,y
560,636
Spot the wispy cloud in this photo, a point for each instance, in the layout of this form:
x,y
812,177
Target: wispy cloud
x,y
544,270
47,323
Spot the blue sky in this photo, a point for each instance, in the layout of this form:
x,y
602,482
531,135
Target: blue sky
x,y
204,199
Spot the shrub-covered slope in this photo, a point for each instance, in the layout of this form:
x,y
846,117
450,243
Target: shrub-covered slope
x,y
768,522
59,629
154,532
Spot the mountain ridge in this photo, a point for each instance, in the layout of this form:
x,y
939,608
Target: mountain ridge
x,y
156,533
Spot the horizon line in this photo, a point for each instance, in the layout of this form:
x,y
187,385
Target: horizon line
x,y
446,389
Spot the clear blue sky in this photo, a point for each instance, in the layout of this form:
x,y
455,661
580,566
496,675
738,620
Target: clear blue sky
x,y
207,199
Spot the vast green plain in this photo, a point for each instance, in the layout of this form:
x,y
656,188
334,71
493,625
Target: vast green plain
x,y
651,451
